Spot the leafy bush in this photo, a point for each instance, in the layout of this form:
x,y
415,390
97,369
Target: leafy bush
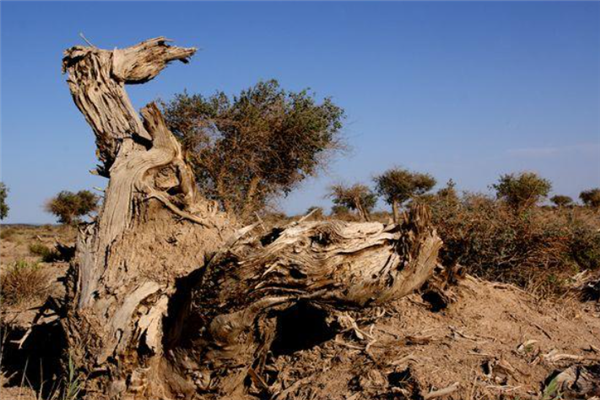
x,y
23,282
399,185
523,190
46,253
561,200
70,207
591,198
357,197
3,206
251,148
584,246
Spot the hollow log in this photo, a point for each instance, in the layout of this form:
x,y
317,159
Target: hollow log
x,y
168,297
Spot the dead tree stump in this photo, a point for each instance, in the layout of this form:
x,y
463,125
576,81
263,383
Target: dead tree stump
x,y
168,297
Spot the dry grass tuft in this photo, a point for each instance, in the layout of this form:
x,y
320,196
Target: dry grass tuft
x,y
7,233
23,283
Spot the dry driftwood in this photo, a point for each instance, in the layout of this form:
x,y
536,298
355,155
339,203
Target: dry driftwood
x,y
168,298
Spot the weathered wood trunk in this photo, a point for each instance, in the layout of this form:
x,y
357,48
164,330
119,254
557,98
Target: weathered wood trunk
x,y
168,296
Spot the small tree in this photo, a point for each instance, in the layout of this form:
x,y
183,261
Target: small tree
x,y
357,197
398,185
561,201
522,191
70,207
448,192
591,198
251,148
3,206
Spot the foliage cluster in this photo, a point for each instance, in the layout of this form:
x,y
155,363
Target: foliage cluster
x,y
561,200
357,197
44,252
250,148
523,190
398,185
591,198
3,206
70,207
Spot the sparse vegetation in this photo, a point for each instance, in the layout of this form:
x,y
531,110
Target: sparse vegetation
x,y
3,206
23,282
44,252
258,145
70,207
561,200
522,191
398,185
7,233
357,197
537,249
591,198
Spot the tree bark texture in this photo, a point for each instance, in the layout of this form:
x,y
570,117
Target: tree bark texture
x,y
168,297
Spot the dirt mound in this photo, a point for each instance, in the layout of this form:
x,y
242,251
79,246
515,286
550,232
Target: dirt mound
x,y
493,341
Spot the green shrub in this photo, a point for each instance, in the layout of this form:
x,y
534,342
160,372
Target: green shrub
x,y
584,247
591,198
249,149
397,186
561,200
70,207
3,205
46,253
357,197
523,190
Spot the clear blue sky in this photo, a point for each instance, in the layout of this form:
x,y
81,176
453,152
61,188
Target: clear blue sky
x,y
460,90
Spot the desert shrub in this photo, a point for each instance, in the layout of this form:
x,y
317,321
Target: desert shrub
x,y
398,185
7,233
250,148
70,207
584,247
357,197
448,193
591,198
46,253
561,200
536,249
522,191
3,206
23,282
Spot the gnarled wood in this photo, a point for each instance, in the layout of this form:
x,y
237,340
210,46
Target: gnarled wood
x,y
330,265
168,297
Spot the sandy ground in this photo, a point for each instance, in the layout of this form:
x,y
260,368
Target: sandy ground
x,y
493,341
